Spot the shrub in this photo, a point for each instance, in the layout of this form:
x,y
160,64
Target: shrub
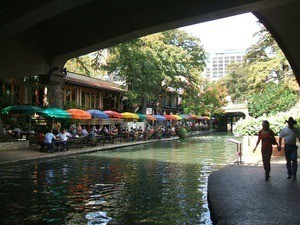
x,y
182,133
5,138
251,126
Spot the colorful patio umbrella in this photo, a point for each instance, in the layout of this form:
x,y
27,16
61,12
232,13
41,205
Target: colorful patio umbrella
x,y
113,114
192,116
79,114
55,113
150,117
204,117
142,116
25,109
98,114
184,116
146,116
129,115
169,117
178,117
172,117
159,117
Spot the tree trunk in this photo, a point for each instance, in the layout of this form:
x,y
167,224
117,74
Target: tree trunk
x,y
144,105
1,126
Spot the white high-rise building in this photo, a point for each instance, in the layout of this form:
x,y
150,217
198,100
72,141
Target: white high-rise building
x,y
218,62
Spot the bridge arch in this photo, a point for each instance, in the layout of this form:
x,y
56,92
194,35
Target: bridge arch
x,y
39,37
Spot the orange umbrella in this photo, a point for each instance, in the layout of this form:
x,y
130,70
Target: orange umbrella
x,y
79,114
150,117
172,117
192,116
113,114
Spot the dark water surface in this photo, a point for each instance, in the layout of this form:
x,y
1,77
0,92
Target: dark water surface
x,y
160,183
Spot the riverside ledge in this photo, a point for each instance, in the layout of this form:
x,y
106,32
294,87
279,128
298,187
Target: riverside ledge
x,y
21,155
27,154
239,195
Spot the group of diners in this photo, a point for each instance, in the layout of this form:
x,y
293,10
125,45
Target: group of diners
x,y
59,139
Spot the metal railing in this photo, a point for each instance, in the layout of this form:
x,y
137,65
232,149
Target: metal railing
x,y
238,149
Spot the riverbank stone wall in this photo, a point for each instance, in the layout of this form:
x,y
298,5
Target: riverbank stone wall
x,y
14,145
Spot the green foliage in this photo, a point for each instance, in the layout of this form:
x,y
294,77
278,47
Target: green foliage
x,y
7,100
236,81
182,133
265,78
5,138
72,105
251,126
272,99
89,65
152,64
205,102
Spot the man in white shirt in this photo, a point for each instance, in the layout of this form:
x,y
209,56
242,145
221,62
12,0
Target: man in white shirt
x,y
49,137
290,135
63,136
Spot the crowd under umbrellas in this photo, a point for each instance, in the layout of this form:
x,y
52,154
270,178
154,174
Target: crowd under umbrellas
x,y
78,116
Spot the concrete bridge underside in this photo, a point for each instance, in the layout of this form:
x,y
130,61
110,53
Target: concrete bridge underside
x,y
38,37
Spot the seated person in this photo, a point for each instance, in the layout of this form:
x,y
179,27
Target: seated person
x,y
140,129
49,137
84,132
72,129
131,134
79,129
104,131
17,132
40,139
114,131
63,136
91,136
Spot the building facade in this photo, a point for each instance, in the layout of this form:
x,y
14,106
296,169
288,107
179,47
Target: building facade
x,y
78,91
218,61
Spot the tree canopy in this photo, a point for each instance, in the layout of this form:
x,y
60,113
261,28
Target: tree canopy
x,y
265,78
156,63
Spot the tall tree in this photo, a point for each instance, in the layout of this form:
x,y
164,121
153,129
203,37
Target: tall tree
x,y
89,65
152,64
265,77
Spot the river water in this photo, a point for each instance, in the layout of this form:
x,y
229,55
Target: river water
x,y
160,183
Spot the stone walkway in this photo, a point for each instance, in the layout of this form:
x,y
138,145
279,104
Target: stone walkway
x,y
239,195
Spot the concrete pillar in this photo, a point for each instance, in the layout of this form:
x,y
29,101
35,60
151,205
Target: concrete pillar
x,y
55,95
54,81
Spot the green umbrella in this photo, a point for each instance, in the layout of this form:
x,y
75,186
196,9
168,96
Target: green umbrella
x,y
25,109
55,113
142,116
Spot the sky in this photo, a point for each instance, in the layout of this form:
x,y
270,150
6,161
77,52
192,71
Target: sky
x,y
234,32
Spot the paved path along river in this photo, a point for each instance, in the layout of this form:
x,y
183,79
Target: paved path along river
x,y
238,194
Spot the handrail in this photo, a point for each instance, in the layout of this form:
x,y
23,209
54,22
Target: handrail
x,y
238,149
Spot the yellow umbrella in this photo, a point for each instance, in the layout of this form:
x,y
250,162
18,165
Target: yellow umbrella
x,y
129,115
178,117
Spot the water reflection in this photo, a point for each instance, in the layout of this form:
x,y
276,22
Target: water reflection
x,y
162,183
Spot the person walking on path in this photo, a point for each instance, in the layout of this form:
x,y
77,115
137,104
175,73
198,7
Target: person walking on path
x,y
267,137
290,135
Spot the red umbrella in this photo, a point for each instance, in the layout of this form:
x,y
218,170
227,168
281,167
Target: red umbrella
x,y
79,114
113,114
